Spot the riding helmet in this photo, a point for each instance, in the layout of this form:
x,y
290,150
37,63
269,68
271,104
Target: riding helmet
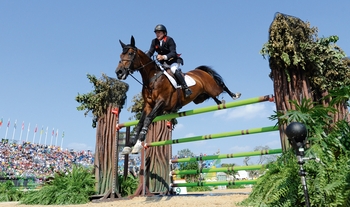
x,y
160,27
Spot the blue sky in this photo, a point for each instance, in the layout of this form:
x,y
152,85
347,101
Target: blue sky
x,y
48,47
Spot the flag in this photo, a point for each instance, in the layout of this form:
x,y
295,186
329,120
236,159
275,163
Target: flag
x,y
15,125
53,131
42,130
62,134
22,125
8,124
36,129
1,120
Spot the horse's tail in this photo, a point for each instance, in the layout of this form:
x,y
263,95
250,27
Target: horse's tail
x,y
217,77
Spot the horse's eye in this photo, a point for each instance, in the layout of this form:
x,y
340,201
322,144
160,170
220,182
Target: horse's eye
x,y
120,61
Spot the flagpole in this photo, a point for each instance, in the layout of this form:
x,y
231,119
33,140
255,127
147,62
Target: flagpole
x,y
36,129
1,120
47,128
62,139
53,132
41,133
56,137
28,132
20,136
8,124
14,130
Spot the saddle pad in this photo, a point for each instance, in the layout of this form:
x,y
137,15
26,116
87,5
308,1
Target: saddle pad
x,y
189,80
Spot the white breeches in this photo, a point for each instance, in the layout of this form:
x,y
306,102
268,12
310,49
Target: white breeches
x,y
174,67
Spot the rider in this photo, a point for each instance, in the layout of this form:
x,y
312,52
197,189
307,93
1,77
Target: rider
x,y
166,48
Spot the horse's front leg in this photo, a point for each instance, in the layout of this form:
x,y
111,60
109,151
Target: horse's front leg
x,y
127,149
156,111
138,127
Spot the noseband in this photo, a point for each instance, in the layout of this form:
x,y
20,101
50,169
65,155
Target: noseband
x,y
130,69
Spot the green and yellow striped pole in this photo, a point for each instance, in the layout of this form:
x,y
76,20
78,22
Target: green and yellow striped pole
x,y
214,136
214,183
220,169
203,110
226,156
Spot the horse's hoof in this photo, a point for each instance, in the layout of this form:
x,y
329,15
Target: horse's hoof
x,y
126,151
236,96
137,147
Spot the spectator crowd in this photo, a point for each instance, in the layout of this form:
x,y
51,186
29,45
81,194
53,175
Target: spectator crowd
x,y
27,160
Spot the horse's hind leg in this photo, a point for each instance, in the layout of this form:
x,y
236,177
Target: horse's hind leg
x,y
217,101
233,95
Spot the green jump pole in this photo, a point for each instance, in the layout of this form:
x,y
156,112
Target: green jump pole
x,y
225,156
203,110
220,169
215,183
213,136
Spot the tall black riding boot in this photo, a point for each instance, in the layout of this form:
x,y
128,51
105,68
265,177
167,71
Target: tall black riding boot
x,y
182,82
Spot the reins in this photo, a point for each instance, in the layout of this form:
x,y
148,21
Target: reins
x,y
139,68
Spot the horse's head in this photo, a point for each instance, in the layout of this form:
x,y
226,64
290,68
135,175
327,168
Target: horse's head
x,y
128,60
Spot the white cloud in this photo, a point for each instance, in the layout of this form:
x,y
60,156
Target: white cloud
x,y
179,126
79,146
247,112
190,135
274,144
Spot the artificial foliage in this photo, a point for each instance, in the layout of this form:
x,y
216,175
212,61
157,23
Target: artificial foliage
x,y
8,192
327,180
107,91
72,187
128,186
311,83
107,97
304,66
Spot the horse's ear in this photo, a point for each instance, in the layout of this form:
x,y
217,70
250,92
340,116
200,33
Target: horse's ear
x,y
122,44
132,41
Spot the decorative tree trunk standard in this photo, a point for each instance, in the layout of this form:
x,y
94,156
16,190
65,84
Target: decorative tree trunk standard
x,y
295,89
106,155
304,68
157,159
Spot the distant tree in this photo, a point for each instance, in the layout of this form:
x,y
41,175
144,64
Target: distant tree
x,y
108,94
263,159
228,166
185,153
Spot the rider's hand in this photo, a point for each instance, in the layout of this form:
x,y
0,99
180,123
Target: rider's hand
x,y
161,57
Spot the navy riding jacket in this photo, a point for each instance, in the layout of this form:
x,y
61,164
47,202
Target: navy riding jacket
x,y
168,48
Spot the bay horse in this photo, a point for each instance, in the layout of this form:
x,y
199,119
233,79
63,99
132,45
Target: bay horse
x,y
159,94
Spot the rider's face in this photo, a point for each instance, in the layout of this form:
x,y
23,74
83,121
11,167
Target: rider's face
x,y
159,35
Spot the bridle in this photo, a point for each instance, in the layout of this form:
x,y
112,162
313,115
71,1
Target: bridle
x,y
131,69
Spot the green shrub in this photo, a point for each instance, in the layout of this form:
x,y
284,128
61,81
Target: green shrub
x,y
8,192
128,186
198,189
74,187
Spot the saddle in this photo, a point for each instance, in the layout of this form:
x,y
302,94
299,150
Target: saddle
x,y
188,79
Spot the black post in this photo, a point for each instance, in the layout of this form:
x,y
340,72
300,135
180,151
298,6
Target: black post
x,y
297,133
